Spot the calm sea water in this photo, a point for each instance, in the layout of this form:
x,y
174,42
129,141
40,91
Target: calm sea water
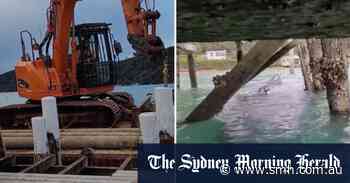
x,y
287,114
139,92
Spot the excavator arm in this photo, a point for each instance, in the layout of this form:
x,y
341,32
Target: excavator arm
x,y
60,68
141,24
142,28
60,18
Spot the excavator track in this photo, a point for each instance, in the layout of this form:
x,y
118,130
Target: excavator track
x,y
98,111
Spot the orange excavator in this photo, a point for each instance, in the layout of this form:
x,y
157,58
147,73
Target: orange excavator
x,y
81,72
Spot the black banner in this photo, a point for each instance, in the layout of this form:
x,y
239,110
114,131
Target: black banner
x,y
244,162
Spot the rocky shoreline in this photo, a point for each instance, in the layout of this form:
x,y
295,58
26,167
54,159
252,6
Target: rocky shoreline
x,y
8,82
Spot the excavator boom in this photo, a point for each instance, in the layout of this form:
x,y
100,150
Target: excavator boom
x,y
133,17
63,15
142,28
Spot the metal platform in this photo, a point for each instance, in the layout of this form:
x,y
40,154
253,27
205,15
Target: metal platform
x,y
102,163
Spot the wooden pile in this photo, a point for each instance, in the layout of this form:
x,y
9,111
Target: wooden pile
x,y
104,139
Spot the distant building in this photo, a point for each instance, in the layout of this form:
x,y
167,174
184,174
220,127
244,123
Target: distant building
x,y
216,55
188,47
289,59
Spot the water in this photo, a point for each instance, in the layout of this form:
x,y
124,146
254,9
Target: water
x,y
287,114
10,98
139,92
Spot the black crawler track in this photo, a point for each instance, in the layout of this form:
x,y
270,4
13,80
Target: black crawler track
x,y
98,111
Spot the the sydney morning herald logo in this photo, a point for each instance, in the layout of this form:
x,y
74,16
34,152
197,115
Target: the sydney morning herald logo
x,y
244,164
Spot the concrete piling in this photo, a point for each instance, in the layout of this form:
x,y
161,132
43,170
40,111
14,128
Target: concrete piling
x,y
40,141
165,109
149,128
160,122
50,114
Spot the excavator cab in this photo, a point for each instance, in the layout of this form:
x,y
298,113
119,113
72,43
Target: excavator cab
x,y
97,55
92,62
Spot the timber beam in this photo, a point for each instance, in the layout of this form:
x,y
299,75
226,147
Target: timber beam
x,y
126,163
229,20
41,166
262,55
76,166
7,161
78,139
76,153
123,177
282,52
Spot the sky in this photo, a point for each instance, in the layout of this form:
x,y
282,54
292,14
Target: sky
x,y
17,15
